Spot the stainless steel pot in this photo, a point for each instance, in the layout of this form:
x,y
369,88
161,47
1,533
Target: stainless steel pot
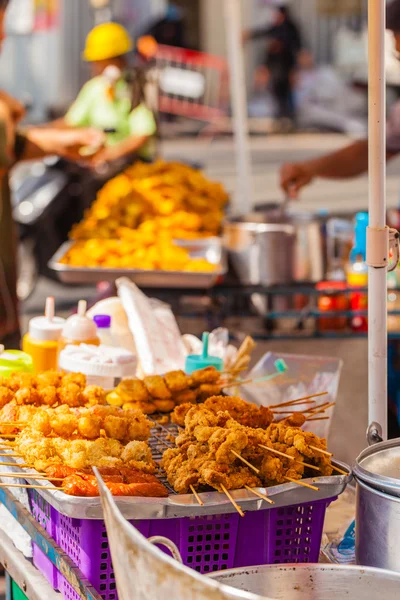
x,y
377,472
313,582
266,249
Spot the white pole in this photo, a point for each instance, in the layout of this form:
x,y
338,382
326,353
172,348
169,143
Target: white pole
x,y
377,286
244,194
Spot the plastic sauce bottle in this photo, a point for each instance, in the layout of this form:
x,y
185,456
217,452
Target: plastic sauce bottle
x,y
103,324
41,343
79,329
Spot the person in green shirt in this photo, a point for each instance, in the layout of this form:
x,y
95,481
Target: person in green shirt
x,y
15,145
107,101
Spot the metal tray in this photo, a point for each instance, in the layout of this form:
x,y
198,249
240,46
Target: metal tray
x,y
185,505
210,248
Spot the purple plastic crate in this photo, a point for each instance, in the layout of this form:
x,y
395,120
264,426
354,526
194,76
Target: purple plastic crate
x,y
291,534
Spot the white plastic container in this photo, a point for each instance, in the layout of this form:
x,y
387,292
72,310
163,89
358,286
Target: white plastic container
x,y
103,365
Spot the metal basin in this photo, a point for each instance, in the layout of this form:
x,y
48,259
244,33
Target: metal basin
x,y
314,582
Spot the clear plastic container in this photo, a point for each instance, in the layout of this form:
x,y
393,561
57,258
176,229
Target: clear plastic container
x,y
79,329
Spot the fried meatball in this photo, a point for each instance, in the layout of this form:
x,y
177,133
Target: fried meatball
x,y
70,394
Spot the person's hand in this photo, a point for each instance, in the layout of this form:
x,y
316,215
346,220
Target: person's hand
x,y
15,107
294,176
72,143
104,156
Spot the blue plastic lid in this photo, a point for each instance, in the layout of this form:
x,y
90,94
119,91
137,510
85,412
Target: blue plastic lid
x,y
360,236
194,362
102,321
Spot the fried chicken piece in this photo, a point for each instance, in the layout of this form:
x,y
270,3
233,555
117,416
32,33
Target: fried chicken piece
x,y
177,381
297,419
133,390
156,387
179,413
78,379
185,397
19,381
41,423
71,393
48,395
115,427
138,426
93,395
9,414
106,411
207,375
243,412
215,475
164,406
138,456
64,425
89,426
48,379
6,395
27,396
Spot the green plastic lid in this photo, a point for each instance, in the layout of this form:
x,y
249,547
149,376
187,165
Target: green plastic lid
x,y
12,361
194,362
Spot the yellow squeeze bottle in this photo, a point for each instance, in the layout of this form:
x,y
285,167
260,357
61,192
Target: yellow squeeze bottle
x,y
79,329
41,343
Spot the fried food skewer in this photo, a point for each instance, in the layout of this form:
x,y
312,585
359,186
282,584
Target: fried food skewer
x,y
196,495
31,476
322,451
289,457
319,419
259,494
290,402
246,462
302,483
235,504
321,410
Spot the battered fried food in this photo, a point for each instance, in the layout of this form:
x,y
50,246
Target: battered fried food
x,y
48,395
156,387
164,406
70,394
177,381
6,395
78,379
27,395
133,390
186,397
243,412
179,413
93,395
49,379
89,426
207,375
86,486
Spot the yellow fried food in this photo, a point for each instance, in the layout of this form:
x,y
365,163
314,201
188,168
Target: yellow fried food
x,y
164,406
89,426
156,387
176,381
6,396
114,399
70,394
115,427
93,395
27,395
63,425
78,379
48,395
133,390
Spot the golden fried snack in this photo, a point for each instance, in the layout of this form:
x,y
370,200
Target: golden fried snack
x,y
49,379
115,427
207,375
133,390
89,426
186,397
243,412
177,381
70,394
6,395
20,380
93,395
164,406
148,408
63,425
179,413
27,395
156,387
208,389
78,379
48,395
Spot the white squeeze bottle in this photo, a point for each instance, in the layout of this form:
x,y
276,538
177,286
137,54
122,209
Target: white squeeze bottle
x,y
79,329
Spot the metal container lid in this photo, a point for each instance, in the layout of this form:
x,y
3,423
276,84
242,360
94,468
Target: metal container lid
x,y
379,467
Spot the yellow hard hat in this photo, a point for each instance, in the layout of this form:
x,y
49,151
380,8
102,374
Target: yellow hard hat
x,y
107,41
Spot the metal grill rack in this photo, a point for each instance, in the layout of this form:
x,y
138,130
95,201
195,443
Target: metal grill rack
x,y
160,439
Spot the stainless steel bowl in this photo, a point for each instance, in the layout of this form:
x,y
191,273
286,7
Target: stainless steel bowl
x,y
313,582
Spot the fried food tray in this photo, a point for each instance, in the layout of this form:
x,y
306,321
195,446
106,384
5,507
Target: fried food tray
x,y
209,248
185,505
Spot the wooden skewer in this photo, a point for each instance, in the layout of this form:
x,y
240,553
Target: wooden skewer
x,y
31,476
321,410
314,408
29,487
245,461
235,504
303,483
8,435
259,494
11,454
322,451
15,464
289,457
340,470
196,495
290,402
319,419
